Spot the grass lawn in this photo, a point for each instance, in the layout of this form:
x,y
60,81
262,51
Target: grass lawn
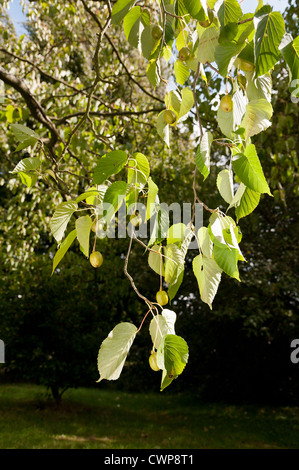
x,y
102,419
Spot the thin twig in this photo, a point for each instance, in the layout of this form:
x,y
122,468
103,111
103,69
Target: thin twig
x,y
148,302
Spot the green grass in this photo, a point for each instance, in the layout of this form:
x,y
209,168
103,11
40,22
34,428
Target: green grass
x,y
102,419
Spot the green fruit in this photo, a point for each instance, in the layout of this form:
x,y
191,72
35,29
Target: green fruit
x,y
157,32
136,219
242,80
94,227
226,103
162,297
153,362
184,54
205,23
246,66
169,116
97,226
96,259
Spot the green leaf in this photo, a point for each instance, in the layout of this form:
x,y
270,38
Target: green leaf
x,y
174,259
181,72
256,118
23,133
152,72
188,235
172,356
247,54
225,55
161,225
205,242
156,260
10,111
176,233
176,283
29,179
185,239
248,168
173,101
181,10
113,199
152,198
202,156
139,175
65,245
182,39
239,107
208,275
27,164
228,33
258,88
92,193
163,128
227,259
120,9
114,350
110,164
245,30
249,201
226,122
26,143
269,31
186,103
225,185
290,52
223,231
148,43
195,9
162,325
83,226
61,218
134,22
207,44
237,197
229,12
95,199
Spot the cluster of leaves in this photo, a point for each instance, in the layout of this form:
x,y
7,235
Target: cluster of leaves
x,y
192,37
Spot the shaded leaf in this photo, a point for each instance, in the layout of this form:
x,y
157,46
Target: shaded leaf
x,y
120,9
269,31
23,133
172,356
248,168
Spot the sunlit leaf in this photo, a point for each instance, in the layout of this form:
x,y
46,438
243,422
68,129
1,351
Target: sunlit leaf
x,y
65,245
114,350
61,218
